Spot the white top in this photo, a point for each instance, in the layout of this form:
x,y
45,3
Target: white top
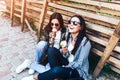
x,y
57,39
71,56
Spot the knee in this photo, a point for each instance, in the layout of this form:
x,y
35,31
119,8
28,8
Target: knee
x,y
56,70
52,51
41,45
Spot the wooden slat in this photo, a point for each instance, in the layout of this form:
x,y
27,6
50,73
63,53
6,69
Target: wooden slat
x,y
98,47
30,7
100,28
115,69
18,10
29,27
42,16
12,11
112,60
36,2
63,12
33,17
18,3
102,42
107,52
99,3
23,14
97,40
116,1
17,15
33,9
90,8
98,17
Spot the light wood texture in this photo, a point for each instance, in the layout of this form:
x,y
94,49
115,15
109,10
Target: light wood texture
x,y
12,11
29,27
23,14
42,16
107,52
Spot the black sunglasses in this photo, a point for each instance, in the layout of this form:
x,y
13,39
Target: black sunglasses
x,y
73,22
56,24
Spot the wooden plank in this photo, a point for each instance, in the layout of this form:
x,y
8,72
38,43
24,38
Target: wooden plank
x,y
18,3
29,7
17,15
107,52
29,27
99,3
116,1
36,2
102,42
12,11
109,11
112,60
42,16
97,40
86,18
96,17
98,47
33,17
97,52
36,5
100,28
115,69
88,7
34,9
18,10
23,14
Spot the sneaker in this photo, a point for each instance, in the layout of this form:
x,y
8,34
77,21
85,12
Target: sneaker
x,y
28,78
31,71
23,66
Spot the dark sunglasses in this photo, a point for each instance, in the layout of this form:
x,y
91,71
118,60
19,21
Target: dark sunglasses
x,y
73,22
56,24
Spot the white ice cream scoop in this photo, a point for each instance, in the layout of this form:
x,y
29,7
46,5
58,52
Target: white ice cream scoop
x,y
63,44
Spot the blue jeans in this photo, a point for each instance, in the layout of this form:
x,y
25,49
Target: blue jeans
x,y
56,61
55,58
60,72
41,48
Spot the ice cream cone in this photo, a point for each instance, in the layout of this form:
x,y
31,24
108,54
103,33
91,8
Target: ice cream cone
x,y
54,32
63,44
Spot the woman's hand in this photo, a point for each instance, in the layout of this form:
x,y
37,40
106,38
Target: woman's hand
x,y
64,50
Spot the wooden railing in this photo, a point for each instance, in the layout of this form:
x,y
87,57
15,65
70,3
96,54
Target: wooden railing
x,y
102,19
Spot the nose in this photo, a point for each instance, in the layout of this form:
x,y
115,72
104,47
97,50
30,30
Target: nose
x,y
54,26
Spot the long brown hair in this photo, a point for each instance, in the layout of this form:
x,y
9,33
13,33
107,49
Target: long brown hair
x,y
57,16
81,34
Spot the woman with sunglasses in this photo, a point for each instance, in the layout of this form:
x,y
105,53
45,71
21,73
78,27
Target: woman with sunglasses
x,y
76,52
47,40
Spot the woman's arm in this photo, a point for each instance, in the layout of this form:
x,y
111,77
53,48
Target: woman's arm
x,y
81,56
